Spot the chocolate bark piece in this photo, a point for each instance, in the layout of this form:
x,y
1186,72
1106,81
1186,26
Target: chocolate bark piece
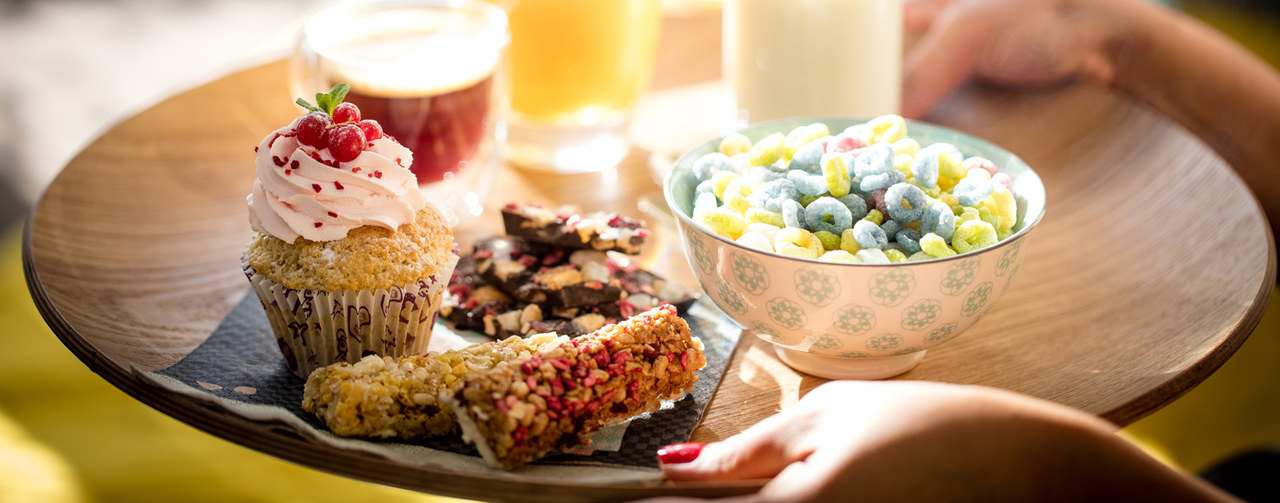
x,y
565,227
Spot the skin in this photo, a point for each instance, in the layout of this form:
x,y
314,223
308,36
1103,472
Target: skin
x,y
916,441
924,441
1217,90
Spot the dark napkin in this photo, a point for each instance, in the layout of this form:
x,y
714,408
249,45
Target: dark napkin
x,y
241,363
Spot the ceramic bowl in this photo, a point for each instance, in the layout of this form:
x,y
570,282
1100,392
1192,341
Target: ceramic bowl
x,y
854,321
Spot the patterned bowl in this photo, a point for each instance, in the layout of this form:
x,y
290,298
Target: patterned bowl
x,y
854,321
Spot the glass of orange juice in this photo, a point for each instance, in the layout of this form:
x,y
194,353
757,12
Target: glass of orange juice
x,y
576,69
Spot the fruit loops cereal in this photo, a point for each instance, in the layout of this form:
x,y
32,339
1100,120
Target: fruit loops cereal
x,y
868,194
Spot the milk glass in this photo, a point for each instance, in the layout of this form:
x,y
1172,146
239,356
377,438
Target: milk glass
x,y
813,57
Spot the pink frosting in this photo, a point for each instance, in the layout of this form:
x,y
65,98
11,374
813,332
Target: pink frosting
x,y
303,192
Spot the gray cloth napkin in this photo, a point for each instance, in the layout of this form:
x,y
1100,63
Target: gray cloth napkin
x,y
240,369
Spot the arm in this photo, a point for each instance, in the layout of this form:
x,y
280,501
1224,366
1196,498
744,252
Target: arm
x,y
918,441
1213,87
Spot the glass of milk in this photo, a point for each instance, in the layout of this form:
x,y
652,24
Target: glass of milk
x,y
813,57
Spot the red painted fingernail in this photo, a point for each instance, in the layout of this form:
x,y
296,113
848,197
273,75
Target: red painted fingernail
x,y
680,453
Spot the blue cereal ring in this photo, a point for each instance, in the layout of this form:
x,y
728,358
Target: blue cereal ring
x,y
808,157
807,184
761,174
925,169
885,180
792,213
938,219
709,164
972,190
706,186
869,235
914,196
890,228
856,204
827,214
909,240
770,195
874,160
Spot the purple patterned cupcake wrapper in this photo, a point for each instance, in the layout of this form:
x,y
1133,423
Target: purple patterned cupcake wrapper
x,y
315,328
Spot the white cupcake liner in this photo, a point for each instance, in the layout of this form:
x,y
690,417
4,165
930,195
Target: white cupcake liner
x,y
315,328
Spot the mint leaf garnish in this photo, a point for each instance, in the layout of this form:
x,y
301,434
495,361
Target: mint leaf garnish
x,y
326,102
304,104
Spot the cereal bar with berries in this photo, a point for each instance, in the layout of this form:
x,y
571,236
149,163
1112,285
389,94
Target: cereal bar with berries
x,y
522,409
565,227
382,397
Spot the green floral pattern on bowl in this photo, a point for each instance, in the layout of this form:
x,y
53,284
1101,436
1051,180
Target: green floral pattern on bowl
x,y
855,314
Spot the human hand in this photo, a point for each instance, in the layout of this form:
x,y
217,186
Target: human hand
x,y
922,441
1024,43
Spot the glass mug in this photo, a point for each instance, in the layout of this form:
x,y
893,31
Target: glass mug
x,y
577,68
430,72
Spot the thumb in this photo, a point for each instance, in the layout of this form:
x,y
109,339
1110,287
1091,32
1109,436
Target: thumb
x,y
760,452
939,63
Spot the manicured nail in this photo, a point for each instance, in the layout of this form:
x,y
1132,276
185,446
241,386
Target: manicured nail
x,y
680,453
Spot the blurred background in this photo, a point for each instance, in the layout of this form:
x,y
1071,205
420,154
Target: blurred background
x,y
73,68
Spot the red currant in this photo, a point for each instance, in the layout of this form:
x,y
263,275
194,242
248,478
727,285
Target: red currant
x,y
346,112
372,130
346,142
312,129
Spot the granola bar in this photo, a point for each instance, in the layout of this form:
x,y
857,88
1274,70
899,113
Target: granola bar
x,y
521,409
382,397
565,227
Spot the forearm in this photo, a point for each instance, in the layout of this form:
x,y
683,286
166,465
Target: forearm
x,y
1045,452
1216,89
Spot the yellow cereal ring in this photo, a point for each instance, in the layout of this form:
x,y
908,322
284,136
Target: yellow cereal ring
x,y
973,235
829,240
874,216
755,240
805,200
839,256
736,193
887,128
798,237
847,241
767,151
720,180
723,221
734,144
761,215
950,165
792,250
1003,205
902,163
906,146
951,201
836,173
966,214
802,135
935,246
895,255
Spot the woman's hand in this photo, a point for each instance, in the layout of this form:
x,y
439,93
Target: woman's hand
x,y
1026,43
922,441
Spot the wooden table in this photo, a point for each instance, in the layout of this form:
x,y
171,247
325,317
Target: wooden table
x,y
1152,265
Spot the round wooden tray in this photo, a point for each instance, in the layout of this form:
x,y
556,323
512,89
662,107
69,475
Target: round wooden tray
x,y
1151,267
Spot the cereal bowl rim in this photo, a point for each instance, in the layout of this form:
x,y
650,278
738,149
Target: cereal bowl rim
x,y
669,179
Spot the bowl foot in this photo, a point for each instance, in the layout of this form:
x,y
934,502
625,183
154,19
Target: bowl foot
x,y
848,368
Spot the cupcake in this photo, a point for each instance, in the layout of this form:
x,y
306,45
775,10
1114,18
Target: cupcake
x,y
348,258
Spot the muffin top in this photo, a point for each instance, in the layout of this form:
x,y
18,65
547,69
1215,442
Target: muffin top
x,y
368,258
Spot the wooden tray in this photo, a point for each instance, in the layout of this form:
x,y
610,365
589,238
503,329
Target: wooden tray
x,y
1152,265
